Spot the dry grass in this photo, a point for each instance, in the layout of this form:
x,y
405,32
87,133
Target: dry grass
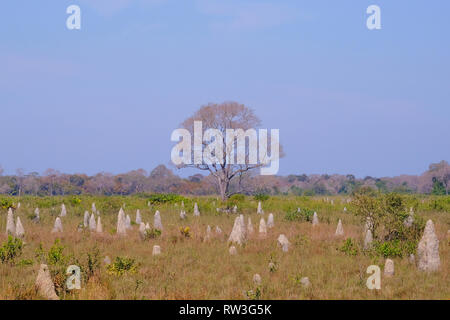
x,y
190,268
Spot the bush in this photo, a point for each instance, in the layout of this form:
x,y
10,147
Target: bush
x,y
304,215
11,249
120,266
441,204
410,246
25,262
6,203
75,201
237,197
55,254
261,197
389,249
393,213
47,202
152,233
388,213
160,198
91,264
349,247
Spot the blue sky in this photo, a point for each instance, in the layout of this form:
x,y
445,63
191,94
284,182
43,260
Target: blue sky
x,y
107,97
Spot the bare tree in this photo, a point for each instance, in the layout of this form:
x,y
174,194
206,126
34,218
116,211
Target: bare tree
x,y
221,165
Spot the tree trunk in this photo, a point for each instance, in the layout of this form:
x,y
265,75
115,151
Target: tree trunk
x,y
223,189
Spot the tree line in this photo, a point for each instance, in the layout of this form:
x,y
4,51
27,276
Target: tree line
x,y
163,180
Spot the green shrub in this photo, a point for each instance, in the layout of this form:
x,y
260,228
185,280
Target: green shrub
x,y
388,213
6,203
152,233
349,247
261,197
75,201
293,216
237,197
160,198
48,202
120,266
441,204
25,262
304,215
55,254
389,249
414,232
393,213
40,254
11,249
410,246
90,264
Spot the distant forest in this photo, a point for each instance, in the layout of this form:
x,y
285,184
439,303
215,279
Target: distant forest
x,y
163,180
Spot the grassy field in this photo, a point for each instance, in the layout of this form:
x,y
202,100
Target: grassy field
x,y
191,268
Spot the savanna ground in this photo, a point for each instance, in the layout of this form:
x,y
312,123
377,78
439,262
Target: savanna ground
x,y
191,268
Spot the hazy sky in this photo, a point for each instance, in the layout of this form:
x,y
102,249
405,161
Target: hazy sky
x,y
107,97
